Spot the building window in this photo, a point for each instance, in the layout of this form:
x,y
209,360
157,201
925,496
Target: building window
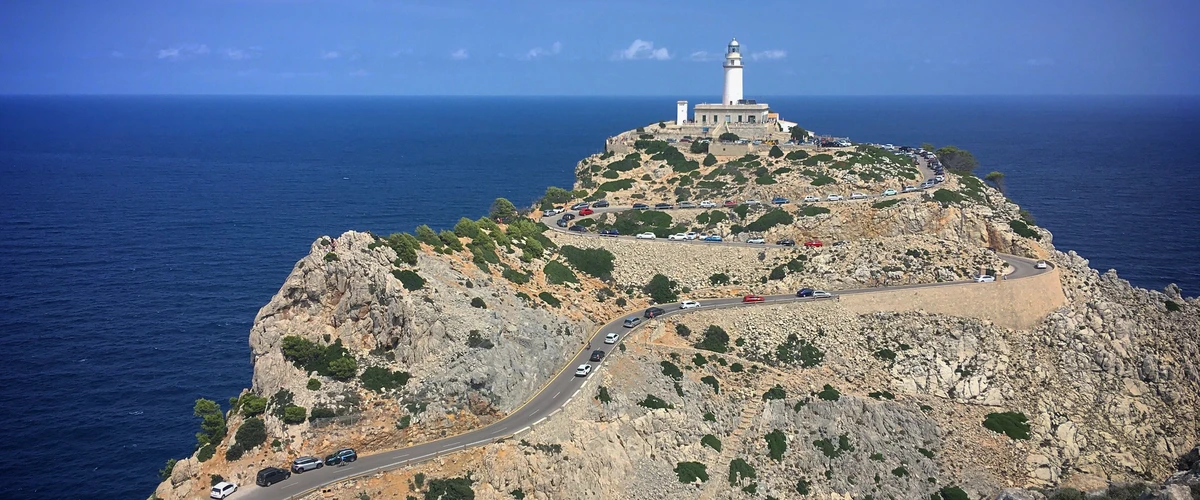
x,y
727,120
739,118
751,118
703,118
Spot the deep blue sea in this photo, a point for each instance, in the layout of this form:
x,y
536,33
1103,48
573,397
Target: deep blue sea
x,y
140,235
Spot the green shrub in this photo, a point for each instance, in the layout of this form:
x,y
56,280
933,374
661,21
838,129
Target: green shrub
x,y
776,444
827,448
320,412
878,457
699,360
597,262
795,351
885,203
881,395
776,392
294,415
557,273
671,370
796,155
212,423
549,299
1023,230
234,452
458,488
886,354
712,381
451,240
655,403
947,197
689,472
715,339
165,472
711,441
775,152
956,493
682,330
314,384
378,379
603,396
812,211
1012,424
478,303
1171,306
803,486
410,279
475,340
764,180
828,393
709,159
709,417
215,479
331,257
736,367
515,276
728,137
518,494
343,368
777,273
769,220
252,433
739,470
928,454
822,180
900,471
206,452
617,185
253,405
719,279
661,289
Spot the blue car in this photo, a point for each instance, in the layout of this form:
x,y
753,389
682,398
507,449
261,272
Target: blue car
x,y
610,232
779,200
342,456
712,237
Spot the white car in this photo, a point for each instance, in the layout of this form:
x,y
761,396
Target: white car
x,y
753,202
817,294
611,338
983,278
889,192
222,490
909,189
688,304
708,204
676,237
691,235
857,196
757,241
583,370
1041,264
835,197
558,210
811,199
548,213
645,236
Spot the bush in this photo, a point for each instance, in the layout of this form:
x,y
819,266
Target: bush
x,y
957,160
1023,230
206,452
709,417
603,396
712,381
778,273
736,368
515,276
682,330
410,279
776,444
885,354
234,452
518,494
655,403
769,220
803,486
478,303
617,185
698,147
812,211
955,493
212,424
699,360
829,393
1171,305
165,472
549,299
711,441
597,262
947,197
474,340
253,405
728,137
715,340
556,194
689,472
331,257
719,279
451,240
739,470
252,433
557,273
314,384
458,488
900,471
320,412
827,448
502,209
776,392
661,289
294,414
669,369
775,152
881,395
795,351
343,368
378,379
1012,424
709,160
885,203
796,155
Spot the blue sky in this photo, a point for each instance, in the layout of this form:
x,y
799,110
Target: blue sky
x,y
608,47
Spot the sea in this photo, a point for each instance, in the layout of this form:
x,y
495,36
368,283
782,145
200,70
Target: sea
x,y
140,235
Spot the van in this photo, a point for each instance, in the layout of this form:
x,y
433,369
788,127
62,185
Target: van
x,y
271,475
632,322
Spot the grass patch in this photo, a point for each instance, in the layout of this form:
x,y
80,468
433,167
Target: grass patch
x,y
689,472
557,273
655,403
776,445
711,441
885,203
1011,424
550,299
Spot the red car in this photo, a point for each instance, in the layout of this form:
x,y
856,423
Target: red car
x,y
813,243
730,203
586,211
753,298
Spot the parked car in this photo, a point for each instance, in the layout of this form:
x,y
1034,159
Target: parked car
x,y
730,203
586,211
559,210
753,202
612,338
687,204
654,312
568,216
853,196
691,235
222,490
305,464
835,197
811,199
712,237
579,206
632,321
889,192
600,204
839,243
753,298
940,178
677,237
271,475
909,189
1041,264
985,278
707,204
610,232
583,370
779,200
814,244
786,242
578,229
548,213
561,222
663,206
342,456
597,355
641,206
805,292
821,294
689,304
927,184
758,240
646,236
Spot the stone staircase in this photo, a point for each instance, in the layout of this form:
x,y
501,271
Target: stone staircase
x,y
733,443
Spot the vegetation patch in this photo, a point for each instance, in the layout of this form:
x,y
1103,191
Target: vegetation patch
x,y
956,493
719,279
597,262
803,486
458,488
812,211
549,299
882,395
410,279
711,441
827,448
715,340
617,185
1011,424
475,340
669,369
822,179
928,454
689,472
379,379
712,381
739,470
776,444
557,273
1171,305
515,276
1018,226
947,197
603,396
331,361
769,220
776,392
794,351
655,403
885,354
829,393
885,203
900,471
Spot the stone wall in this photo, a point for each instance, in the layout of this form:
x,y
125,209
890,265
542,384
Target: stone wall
x,y
1020,304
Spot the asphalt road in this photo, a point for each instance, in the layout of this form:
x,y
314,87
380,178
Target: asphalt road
x,y
562,387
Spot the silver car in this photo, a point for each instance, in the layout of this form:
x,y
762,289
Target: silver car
x,y
305,464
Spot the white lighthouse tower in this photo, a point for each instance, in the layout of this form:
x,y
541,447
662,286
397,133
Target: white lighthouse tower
x,y
733,74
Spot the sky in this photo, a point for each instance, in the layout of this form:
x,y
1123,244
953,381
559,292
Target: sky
x,y
598,47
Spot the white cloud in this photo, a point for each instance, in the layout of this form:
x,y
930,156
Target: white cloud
x,y
330,54
536,52
769,55
181,52
703,56
235,54
1040,61
642,49
116,54
402,52
459,54
358,73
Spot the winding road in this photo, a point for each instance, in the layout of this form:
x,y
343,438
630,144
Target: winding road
x,y
561,389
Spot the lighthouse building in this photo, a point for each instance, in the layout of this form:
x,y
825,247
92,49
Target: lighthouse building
x,y
745,117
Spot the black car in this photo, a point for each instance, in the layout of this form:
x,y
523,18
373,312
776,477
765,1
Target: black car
x,y
344,455
610,232
786,243
600,204
805,292
597,355
640,206
271,475
562,222
579,229
568,217
654,312
663,206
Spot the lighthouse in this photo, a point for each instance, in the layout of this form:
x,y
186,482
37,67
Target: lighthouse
x,y
733,74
